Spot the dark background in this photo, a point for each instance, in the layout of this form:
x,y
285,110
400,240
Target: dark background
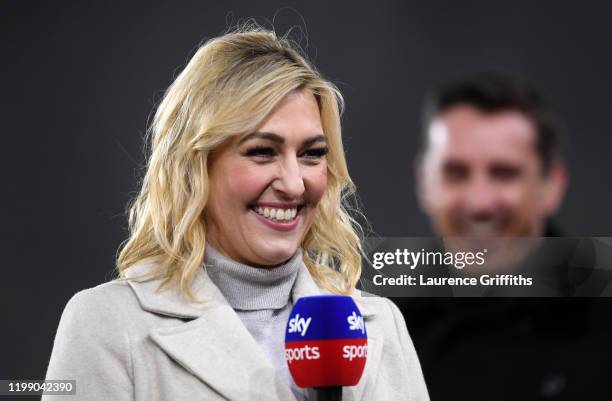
x,y
79,81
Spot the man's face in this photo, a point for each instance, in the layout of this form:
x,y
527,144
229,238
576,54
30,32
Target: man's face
x,y
481,176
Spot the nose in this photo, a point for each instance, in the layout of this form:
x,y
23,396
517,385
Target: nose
x,y
481,197
290,181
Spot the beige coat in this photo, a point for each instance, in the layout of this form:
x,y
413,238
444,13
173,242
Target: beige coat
x,y
124,341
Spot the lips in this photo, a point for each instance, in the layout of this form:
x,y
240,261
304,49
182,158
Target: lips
x,y
278,216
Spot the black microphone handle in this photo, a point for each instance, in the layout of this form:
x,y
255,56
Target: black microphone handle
x,y
328,393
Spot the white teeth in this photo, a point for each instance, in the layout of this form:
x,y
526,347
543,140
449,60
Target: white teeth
x,y
276,214
482,228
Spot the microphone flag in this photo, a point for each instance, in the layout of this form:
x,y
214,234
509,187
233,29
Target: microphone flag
x,y
326,342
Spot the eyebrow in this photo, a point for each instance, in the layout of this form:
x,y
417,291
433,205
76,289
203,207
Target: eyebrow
x,y
280,140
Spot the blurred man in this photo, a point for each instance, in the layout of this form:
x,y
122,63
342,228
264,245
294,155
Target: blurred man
x,y
490,167
490,164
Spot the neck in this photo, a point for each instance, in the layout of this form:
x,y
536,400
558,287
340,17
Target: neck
x,y
249,288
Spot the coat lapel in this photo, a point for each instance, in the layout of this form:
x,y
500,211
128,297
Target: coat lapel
x,y
217,348
214,346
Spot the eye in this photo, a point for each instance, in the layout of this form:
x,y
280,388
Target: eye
x,y
455,172
261,152
315,153
505,173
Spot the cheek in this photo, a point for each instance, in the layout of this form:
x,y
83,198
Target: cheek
x,y
448,198
316,183
439,195
454,196
519,196
243,184
522,201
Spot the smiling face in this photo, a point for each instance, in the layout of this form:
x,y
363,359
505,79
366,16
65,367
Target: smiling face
x,y
265,185
481,175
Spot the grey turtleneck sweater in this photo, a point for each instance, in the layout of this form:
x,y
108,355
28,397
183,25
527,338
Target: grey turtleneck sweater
x,y
262,299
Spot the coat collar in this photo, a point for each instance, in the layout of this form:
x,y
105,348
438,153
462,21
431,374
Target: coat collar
x,y
204,344
172,303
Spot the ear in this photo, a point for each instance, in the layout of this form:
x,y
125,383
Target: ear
x,y
555,187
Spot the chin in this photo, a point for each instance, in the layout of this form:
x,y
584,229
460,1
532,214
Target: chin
x,y
275,252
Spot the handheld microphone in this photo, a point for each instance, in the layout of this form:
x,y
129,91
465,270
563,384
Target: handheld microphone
x,y
326,344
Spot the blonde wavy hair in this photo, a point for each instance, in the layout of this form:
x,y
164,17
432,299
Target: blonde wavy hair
x,y
228,88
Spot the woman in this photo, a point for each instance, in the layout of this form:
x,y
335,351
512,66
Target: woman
x,y
240,213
